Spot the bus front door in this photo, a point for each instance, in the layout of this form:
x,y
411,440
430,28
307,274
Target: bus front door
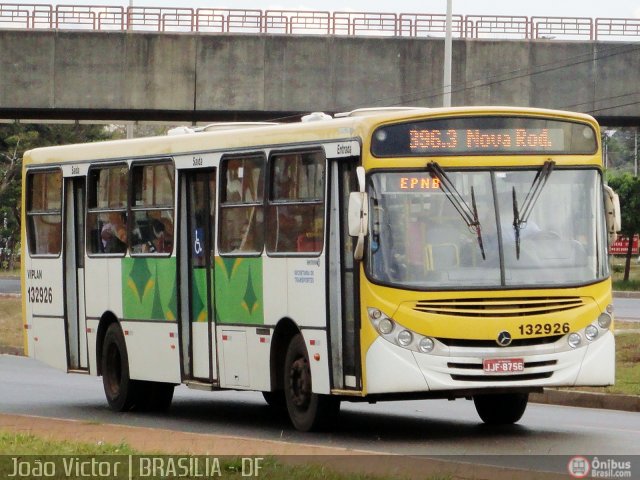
x,y
343,278
198,196
75,319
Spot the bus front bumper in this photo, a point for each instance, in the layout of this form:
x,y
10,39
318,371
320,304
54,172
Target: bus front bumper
x,y
393,369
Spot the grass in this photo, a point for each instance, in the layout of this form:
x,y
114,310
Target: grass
x,y
622,325
10,273
27,444
32,449
617,274
627,365
11,325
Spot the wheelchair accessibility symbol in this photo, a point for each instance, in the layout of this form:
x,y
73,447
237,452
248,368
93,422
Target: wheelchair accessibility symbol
x,y
198,240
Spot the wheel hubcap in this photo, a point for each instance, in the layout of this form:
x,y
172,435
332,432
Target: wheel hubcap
x,y
300,383
114,370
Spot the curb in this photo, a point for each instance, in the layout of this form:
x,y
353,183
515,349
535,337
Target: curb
x,y
626,403
625,294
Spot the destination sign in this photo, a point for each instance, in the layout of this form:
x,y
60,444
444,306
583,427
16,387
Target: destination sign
x,y
483,135
474,139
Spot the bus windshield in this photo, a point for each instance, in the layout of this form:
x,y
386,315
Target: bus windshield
x,y
487,228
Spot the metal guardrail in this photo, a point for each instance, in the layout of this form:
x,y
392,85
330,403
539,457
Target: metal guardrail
x,y
307,22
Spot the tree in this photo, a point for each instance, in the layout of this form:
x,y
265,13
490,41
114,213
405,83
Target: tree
x,y
619,145
15,139
628,189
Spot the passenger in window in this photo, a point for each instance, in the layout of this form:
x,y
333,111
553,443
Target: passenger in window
x,y
234,184
162,241
54,240
310,237
286,229
159,238
114,234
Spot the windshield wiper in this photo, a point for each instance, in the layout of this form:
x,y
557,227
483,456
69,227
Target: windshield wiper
x,y
468,213
520,220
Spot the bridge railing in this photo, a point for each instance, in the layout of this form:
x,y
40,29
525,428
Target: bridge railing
x,y
301,22
618,28
497,26
552,27
78,17
25,15
297,22
221,20
429,25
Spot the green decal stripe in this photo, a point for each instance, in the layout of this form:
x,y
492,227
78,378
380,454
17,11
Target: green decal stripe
x,y
199,302
149,289
238,290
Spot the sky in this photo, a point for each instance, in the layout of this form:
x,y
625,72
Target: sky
x,y
562,8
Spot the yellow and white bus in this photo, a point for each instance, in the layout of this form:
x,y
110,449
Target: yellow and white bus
x,y
379,255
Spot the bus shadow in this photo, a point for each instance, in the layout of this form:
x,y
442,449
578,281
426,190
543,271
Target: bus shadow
x,y
251,416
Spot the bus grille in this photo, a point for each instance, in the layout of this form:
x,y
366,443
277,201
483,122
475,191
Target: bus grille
x,y
518,342
498,307
501,378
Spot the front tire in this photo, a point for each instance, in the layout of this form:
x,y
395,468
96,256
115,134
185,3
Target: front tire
x,y
121,392
501,408
307,410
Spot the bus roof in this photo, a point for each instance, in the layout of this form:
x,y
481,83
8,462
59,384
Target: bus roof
x,y
357,124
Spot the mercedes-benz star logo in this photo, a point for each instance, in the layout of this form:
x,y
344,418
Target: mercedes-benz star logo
x,y
504,339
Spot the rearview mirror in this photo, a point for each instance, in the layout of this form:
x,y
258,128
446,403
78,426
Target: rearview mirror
x,y
612,212
358,220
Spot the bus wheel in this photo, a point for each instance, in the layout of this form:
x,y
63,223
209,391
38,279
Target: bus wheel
x,y
155,396
307,410
120,390
501,408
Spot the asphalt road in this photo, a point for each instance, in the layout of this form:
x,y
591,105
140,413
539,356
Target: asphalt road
x,y
627,308
546,436
9,285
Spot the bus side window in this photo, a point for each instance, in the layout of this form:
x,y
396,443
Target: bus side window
x,y
44,213
295,215
107,210
241,211
152,224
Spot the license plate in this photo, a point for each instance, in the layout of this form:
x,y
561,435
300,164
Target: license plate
x,y
503,365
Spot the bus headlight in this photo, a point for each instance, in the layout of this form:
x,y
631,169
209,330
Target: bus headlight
x,y
591,332
574,340
405,337
385,326
426,344
400,335
604,320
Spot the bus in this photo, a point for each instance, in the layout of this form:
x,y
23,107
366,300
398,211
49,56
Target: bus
x,y
380,254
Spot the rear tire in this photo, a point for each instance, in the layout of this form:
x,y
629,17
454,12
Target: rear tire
x,y
307,410
122,393
501,408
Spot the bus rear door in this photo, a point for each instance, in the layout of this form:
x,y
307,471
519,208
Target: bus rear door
x,y
197,218
75,319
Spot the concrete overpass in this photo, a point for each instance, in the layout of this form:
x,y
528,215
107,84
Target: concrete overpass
x,y
194,76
